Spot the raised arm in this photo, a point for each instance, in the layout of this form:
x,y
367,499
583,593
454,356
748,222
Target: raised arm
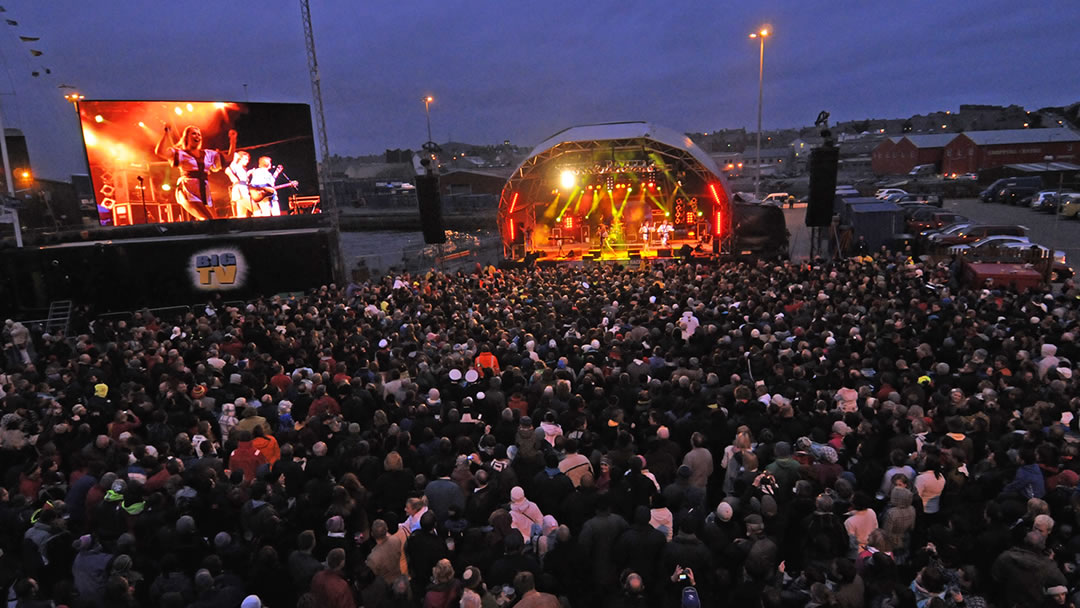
x,y
232,145
163,149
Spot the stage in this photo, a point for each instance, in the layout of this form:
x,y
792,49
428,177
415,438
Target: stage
x,y
613,248
615,191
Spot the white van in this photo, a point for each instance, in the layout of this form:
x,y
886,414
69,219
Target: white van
x,y
923,170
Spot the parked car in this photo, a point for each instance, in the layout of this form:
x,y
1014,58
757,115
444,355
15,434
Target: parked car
x,y
926,199
929,219
1044,201
923,170
976,232
988,244
1012,195
994,190
947,229
882,193
778,199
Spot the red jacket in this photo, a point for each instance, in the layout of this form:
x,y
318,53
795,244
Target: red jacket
x,y
247,458
486,360
331,590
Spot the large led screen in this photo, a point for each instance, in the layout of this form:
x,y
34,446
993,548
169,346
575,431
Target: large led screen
x,y
181,161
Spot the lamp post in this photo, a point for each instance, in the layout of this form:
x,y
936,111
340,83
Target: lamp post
x,y
427,112
760,35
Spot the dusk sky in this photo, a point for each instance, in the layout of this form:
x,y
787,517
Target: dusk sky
x,y
522,71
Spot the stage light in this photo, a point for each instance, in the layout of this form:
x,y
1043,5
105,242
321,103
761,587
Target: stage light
x,y
90,139
567,179
166,187
99,118
25,175
667,214
219,105
190,108
142,124
178,111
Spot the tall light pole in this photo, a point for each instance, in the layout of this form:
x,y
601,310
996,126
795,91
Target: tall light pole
x,y
427,112
760,35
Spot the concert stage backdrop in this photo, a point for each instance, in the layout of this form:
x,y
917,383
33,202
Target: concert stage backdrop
x,y
138,181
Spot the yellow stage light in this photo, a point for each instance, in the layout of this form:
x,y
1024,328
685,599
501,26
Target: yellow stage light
x,y
99,118
142,124
178,111
567,179
190,108
166,187
219,105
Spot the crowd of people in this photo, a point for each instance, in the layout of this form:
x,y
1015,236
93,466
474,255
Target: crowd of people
x,y
857,432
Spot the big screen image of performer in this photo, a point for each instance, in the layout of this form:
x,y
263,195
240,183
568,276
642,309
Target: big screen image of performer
x,y
263,188
195,164
239,175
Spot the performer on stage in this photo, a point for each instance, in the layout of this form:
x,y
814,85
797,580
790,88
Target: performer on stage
x,y
195,164
645,231
665,231
262,186
239,174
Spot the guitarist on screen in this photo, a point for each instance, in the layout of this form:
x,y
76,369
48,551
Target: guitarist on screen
x,y
262,188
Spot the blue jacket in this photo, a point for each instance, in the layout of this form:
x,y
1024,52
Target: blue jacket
x,y
1028,483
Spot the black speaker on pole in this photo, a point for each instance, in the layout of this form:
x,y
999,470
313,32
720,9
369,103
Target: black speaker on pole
x,y
427,194
823,163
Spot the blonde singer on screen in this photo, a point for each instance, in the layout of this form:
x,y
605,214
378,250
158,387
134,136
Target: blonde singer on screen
x,y
195,164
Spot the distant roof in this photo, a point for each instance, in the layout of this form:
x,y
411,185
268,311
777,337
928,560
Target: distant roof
x,y
1044,167
1022,136
499,172
936,140
627,130
874,207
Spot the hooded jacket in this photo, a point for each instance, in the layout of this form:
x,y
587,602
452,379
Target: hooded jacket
x,y
899,519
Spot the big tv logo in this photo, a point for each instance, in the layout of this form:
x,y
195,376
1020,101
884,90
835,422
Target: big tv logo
x,y
215,269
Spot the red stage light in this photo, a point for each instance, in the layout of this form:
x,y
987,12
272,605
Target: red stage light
x,y
719,218
513,203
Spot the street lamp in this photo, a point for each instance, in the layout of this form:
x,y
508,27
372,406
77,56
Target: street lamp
x,y
427,112
760,35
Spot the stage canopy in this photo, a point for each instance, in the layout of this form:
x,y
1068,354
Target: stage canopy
x,y
618,187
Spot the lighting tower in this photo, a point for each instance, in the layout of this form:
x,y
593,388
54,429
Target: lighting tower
x,y
338,262
320,120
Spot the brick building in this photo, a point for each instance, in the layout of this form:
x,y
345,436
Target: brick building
x,y
975,150
899,155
